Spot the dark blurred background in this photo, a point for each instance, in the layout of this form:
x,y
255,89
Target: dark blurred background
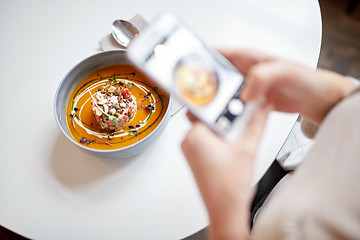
x,y
340,52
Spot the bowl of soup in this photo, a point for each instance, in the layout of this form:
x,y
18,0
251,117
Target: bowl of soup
x,y
108,108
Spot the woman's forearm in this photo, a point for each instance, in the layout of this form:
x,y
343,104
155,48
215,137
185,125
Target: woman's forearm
x,y
230,223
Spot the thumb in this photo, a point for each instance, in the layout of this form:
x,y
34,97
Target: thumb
x,y
252,135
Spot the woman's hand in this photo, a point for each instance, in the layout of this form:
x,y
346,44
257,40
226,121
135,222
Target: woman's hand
x,y
289,86
224,172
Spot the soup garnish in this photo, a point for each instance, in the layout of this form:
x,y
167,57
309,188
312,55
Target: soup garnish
x,y
113,105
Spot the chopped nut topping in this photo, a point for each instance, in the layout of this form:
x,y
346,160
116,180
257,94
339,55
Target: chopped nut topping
x,y
112,111
97,111
112,89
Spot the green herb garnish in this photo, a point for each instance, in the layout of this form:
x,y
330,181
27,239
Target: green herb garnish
x,y
113,119
149,116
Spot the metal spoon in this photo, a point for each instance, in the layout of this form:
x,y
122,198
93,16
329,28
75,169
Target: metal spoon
x,y
123,32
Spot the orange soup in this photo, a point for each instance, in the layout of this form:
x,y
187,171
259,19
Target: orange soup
x,y
151,105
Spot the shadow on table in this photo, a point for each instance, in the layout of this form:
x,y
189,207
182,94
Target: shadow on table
x,y
73,167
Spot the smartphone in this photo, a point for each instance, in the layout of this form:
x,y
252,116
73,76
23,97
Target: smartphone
x,y
180,63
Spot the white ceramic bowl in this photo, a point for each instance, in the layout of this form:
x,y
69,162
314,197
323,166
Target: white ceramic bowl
x,y
74,77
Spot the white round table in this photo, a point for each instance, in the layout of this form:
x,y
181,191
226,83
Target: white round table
x,y
49,189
